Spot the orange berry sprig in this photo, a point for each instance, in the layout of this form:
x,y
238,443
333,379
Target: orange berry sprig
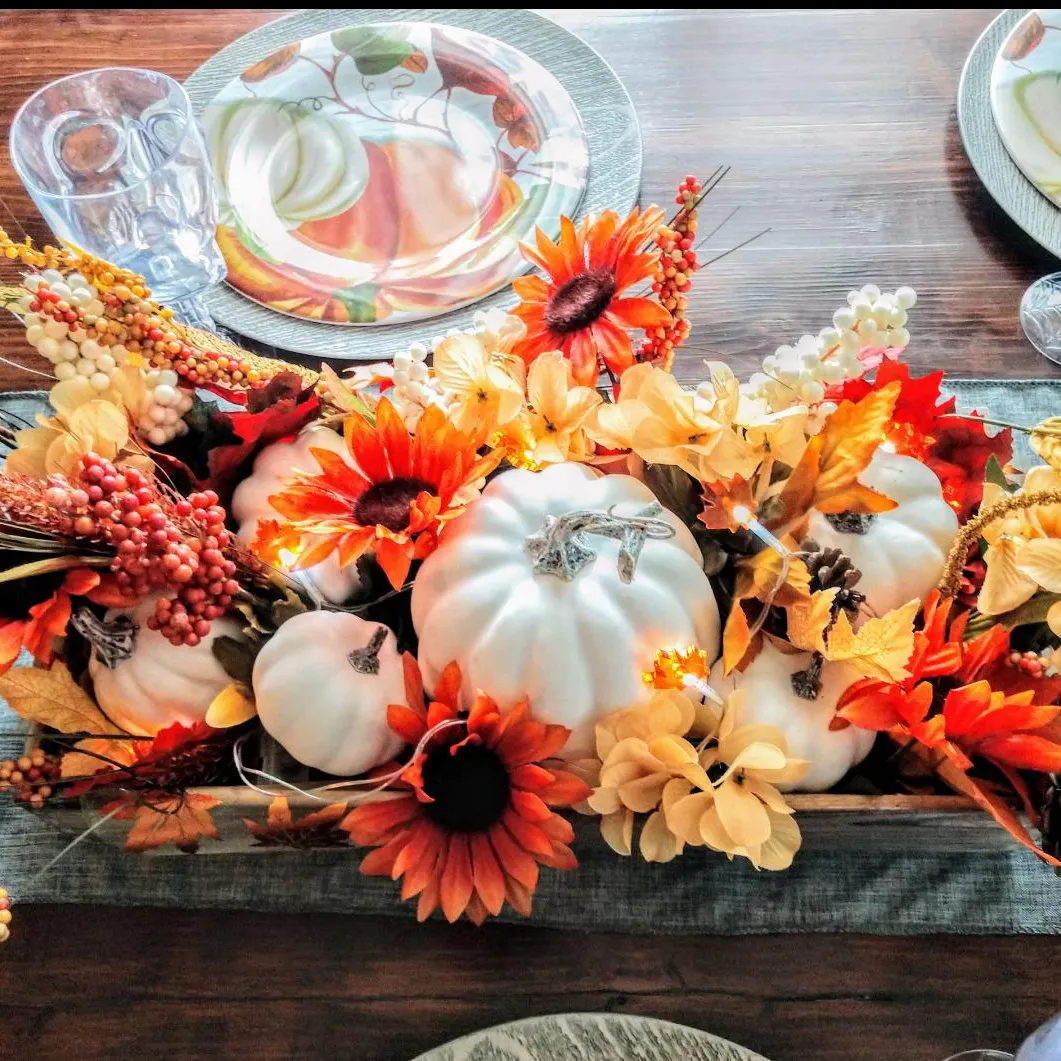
x,y
677,263
32,777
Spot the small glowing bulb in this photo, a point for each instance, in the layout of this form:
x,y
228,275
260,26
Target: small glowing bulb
x,y
742,514
888,447
288,558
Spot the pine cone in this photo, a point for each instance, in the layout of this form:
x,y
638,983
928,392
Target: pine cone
x,y
830,568
1050,817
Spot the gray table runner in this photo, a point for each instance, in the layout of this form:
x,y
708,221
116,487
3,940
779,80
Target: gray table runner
x,y
886,894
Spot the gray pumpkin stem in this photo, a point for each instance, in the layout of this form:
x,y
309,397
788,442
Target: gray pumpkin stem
x,y
560,547
366,660
113,642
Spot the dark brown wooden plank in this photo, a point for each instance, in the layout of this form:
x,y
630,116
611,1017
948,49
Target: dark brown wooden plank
x,y
100,984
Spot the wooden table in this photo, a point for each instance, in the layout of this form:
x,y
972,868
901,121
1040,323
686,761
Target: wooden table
x,y
841,133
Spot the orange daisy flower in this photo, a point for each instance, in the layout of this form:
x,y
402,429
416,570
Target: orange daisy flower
x,y
476,822
396,497
579,310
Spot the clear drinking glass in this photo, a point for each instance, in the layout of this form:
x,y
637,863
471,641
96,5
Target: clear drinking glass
x,y
118,166
1040,316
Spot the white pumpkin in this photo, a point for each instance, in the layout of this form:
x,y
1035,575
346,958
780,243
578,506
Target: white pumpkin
x,y
771,700
487,598
323,683
250,503
142,682
900,553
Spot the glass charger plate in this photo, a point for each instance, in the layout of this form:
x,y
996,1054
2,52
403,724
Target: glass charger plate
x,y
591,1037
386,173
602,104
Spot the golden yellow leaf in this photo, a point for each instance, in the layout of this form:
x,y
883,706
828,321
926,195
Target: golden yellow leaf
x,y
52,698
808,619
736,638
231,707
82,764
826,476
181,820
880,648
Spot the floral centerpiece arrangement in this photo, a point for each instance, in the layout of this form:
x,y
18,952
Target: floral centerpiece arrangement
x,y
453,600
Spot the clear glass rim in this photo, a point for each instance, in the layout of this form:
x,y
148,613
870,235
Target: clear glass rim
x,y
981,1054
32,185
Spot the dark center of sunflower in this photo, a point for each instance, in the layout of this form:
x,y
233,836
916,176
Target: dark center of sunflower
x,y
470,789
387,503
580,301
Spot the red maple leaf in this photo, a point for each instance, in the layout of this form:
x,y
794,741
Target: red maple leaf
x,y
959,454
917,409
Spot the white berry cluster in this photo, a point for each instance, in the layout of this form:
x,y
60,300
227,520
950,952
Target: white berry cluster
x,y
163,417
799,374
414,387
73,353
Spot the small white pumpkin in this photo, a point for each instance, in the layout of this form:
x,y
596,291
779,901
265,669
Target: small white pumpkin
x,y
272,467
323,683
530,607
900,553
771,700
142,682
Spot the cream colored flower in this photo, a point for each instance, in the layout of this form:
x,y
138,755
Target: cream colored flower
x,y
86,421
739,811
483,395
558,409
1024,548
781,435
665,424
640,750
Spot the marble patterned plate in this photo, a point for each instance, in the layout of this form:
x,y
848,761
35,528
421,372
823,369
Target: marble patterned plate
x,y
386,173
1026,98
602,104
590,1037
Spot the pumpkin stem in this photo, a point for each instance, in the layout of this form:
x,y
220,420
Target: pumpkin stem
x,y
560,547
807,683
366,660
850,522
113,642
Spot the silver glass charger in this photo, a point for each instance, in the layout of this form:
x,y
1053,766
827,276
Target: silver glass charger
x,y
590,1037
605,109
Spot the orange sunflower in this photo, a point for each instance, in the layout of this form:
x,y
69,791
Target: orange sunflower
x,y
579,310
396,497
476,822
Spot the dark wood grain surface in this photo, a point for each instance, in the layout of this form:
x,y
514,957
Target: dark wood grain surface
x,y
100,984
841,133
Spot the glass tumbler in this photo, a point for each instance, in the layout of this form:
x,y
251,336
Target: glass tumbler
x,y
118,166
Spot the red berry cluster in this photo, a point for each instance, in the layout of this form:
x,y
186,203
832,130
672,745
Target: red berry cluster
x,y
677,263
160,544
32,777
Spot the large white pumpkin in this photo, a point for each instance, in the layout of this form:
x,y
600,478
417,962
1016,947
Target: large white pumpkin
x,y
900,553
577,649
272,468
771,700
143,683
323,683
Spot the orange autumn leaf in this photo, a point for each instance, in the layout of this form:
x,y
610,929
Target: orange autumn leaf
x,y
721,498
809,619
759,579
995,805
319,828
826,477
91,755
181,820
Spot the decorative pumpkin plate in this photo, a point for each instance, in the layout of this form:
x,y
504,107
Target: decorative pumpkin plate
x,y
608,126
591,1037
1026,98
385,173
